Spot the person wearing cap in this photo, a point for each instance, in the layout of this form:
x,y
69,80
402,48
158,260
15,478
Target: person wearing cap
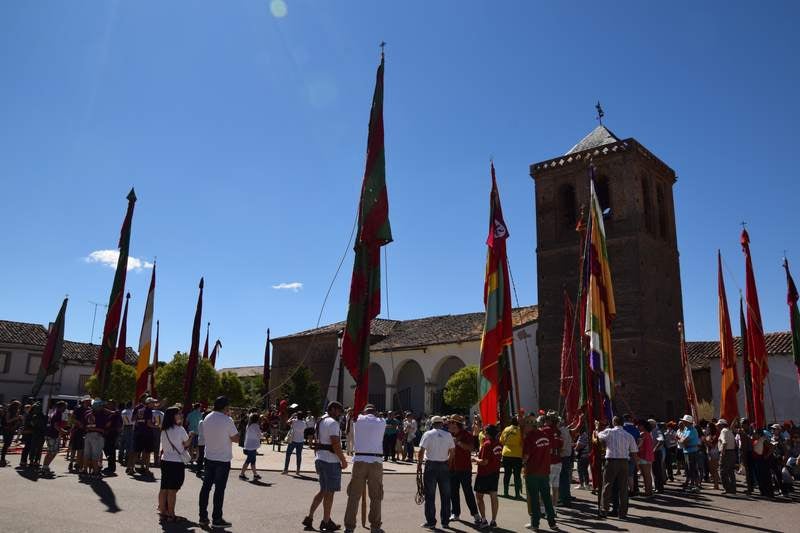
x,y
488,476
690,441
329,463
368,431
94,421
219,433
436,449
142,436
538,449
726,445
461,470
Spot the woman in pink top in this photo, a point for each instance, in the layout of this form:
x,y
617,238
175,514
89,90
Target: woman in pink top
x,y
646,456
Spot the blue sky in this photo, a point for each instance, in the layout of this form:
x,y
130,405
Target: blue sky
x,y
244,134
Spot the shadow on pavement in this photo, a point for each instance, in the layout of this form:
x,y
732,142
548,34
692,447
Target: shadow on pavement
x,y
259,483
30,475
106,495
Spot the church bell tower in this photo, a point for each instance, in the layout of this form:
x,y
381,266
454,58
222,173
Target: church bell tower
x,y
635,192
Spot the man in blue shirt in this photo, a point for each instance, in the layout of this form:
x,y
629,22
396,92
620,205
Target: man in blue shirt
x,y
690,440
631,428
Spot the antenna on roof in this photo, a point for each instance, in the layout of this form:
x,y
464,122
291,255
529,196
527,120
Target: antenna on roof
x,y
600,113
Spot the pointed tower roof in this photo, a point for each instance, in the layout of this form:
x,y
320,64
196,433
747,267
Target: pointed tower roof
x,y
597,137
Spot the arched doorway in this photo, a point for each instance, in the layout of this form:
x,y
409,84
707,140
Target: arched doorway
x,y
377,387
410,386
447,368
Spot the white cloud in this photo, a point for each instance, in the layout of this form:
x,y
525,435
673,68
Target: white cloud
x,y
294,286
109,258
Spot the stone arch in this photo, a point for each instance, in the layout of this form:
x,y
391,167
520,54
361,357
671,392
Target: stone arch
x,y
377,386
446,368
410,388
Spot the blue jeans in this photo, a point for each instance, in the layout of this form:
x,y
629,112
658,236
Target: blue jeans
x,y
216,474
296,447
436,474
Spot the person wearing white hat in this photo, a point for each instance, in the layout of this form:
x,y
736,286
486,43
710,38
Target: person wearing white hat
x,y
436,449
690,441
727,452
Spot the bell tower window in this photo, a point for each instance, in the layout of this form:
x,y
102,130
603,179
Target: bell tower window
x,y
566,206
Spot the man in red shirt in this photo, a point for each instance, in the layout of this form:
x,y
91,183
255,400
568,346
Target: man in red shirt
x,y
461,470
537,452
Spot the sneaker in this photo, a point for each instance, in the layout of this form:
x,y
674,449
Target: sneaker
x,y
307,523
478,519
552,524
220,522
285,473
492,524
428,525
532,527
242,477
256,476
481,523
204,521
329,526
454,517
297,472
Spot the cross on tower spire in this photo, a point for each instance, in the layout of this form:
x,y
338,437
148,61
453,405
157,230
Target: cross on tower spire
x,y
600,113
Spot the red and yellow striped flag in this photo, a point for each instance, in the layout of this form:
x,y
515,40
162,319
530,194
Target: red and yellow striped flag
x,y
143,365
728,406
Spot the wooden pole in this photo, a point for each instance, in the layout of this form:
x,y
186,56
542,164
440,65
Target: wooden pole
x,y
513,357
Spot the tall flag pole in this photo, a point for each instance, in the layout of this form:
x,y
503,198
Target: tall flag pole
x,y
570,383
154,366
53,350
756,347
267,370
794,315
748,378
688,378
194,352
123,332
143,364
494,377
600,306
205,348
374,232
111,327
728,405
215,353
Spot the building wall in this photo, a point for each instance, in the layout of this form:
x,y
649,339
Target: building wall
x,y
781,391
644,269
432,359
318,355
16,382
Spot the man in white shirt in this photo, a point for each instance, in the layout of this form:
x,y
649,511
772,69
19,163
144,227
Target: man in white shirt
x,y
126,441
436,448
621,447
727,452
158,418
410,429
219,432
368,432
330,461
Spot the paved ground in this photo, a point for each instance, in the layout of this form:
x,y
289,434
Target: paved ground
x,y
277,503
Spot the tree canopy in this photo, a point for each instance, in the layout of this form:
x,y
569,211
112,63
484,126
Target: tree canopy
x,y
304,391
169,381
461,390
121,383
231,386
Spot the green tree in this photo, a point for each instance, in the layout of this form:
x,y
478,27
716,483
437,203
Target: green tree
x,y
231,386
169,381
461,390
253,391
121,384
303,390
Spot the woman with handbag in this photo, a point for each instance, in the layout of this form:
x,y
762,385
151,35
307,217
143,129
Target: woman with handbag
x,y
174,457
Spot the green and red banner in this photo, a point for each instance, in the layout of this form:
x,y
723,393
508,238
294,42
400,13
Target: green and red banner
x,y
794,315
53,350
373,232
494,377
108,345
215,353
748,380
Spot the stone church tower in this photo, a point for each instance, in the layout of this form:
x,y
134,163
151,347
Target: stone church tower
x,y
635,187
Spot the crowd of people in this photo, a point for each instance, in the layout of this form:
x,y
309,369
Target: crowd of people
x,y
536,453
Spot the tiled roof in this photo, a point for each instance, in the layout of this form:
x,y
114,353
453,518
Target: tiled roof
x,y
701,352
379,327
83,352
244,371
36,335
600,136
22,333
445,329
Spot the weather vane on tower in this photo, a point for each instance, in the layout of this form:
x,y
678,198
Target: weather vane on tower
x,y
600,113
